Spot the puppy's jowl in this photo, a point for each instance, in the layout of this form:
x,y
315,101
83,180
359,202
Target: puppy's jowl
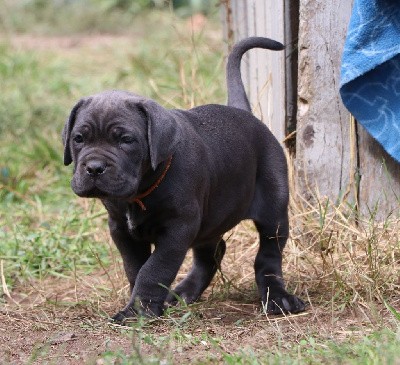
x,y
179,179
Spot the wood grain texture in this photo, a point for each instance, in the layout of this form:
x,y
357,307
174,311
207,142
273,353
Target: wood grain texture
x,y
263,71
291,21
379,187
323,144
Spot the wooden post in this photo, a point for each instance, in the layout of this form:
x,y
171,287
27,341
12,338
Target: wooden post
x,y
323,143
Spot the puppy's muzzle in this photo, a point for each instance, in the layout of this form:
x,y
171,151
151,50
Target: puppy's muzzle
x,y
95,168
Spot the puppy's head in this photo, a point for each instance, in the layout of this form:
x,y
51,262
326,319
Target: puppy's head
x,y
113,138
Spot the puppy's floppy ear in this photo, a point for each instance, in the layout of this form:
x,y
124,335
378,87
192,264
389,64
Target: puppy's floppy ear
x,y
66,133
163,131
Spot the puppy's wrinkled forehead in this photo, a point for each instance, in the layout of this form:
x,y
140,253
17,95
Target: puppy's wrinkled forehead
x,y
111,107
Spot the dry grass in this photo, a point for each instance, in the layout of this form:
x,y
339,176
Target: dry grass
x,y
357,257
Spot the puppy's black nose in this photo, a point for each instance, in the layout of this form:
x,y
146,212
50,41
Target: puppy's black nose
x,y
95,167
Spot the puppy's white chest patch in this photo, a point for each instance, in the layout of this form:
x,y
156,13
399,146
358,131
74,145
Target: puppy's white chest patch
x,y
130,221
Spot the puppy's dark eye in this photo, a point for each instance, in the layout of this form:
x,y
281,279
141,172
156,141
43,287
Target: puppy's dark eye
x,y
78,138
127,139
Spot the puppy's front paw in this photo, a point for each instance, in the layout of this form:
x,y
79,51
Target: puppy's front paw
x,y
122,316
151,309
181,297
283,303
144,309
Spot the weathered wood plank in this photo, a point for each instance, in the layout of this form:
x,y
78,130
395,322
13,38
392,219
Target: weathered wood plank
x,y
250,59
272,94
379,189
263,72
323,144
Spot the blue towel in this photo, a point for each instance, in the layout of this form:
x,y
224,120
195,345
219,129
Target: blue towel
x,y
370,75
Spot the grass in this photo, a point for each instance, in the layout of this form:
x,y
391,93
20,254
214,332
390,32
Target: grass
x,y
60,271
41,231
41,87
43,16
310,351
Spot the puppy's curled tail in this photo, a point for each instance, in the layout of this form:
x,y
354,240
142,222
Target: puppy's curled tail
x,y
236,93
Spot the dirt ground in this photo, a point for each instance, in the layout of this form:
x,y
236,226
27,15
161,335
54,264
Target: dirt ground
x,y
73,334
65,321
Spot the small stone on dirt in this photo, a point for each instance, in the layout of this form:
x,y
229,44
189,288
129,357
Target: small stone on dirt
x,y
62,337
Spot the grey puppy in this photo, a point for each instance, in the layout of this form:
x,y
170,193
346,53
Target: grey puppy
x,y
178,180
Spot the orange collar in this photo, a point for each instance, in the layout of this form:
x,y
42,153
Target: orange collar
x,y
138,198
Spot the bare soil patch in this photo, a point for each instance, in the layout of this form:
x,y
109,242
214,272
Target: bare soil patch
x,y
66,320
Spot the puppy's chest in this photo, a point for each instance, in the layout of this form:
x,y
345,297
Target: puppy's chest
x,y
139,223
134,218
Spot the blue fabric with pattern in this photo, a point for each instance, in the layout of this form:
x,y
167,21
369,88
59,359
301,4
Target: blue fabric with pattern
x,y
370,75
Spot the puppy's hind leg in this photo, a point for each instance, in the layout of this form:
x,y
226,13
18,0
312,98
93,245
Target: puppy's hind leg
x,y
206,261
268,269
